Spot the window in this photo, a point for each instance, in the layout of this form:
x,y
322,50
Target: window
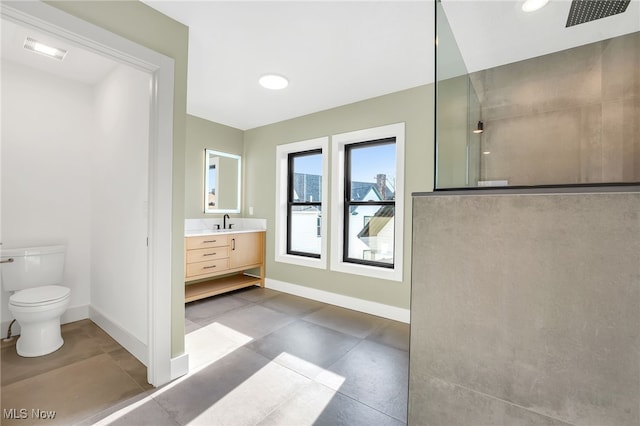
x,y
367,214
301,194
369,202
304,206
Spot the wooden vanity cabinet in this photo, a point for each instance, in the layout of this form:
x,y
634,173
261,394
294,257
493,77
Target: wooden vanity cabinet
x,y
216,264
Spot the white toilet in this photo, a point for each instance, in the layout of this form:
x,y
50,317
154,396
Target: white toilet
x,y
38,302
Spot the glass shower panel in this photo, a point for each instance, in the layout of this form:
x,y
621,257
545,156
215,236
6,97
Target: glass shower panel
x,y
528,110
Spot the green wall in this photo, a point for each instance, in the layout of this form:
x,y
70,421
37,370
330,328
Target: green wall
x,y
202,134
413,107
143,25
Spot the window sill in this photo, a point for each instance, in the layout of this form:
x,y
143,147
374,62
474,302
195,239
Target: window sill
x,y
309,262
390,274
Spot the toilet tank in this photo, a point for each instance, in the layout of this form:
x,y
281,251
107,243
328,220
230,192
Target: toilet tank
x,y
32,267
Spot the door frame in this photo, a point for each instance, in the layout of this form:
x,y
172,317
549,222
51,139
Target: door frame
x,y
48,19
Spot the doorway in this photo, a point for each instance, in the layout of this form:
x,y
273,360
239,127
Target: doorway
x,y
155,211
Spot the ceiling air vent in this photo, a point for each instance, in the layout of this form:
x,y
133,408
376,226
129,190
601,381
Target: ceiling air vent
x,y
589,10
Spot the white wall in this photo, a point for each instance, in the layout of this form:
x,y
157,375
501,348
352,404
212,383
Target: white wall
x,y
119,171
47,132
74,171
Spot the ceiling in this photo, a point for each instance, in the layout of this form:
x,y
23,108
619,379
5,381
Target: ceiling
x,y
78,65
333,52
492,33
339,52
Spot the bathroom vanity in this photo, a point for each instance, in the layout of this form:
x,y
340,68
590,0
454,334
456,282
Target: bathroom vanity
x,y
217,261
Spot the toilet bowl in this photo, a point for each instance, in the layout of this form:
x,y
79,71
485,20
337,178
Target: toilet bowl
x,y
38,312
38,301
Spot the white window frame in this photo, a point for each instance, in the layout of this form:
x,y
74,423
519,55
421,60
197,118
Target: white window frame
x,y
338,143
282,154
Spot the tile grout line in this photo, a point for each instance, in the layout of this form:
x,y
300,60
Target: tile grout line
x,y
363,403
301,317
504,401
313,379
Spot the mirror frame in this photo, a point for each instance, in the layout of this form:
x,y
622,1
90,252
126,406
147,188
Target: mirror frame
x,y
207,155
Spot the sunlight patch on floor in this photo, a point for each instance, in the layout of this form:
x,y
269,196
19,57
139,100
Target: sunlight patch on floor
x,y
277,382
208,344
266,390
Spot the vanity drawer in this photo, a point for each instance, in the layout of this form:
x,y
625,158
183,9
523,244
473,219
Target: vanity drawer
x,y
208,267
206,241
202,255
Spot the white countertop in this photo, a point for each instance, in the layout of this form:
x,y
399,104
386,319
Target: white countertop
x,y
209,226
200,232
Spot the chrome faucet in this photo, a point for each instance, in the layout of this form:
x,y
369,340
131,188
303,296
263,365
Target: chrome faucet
x,y
224,221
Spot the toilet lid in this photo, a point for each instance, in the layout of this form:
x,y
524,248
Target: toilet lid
x,y
38,295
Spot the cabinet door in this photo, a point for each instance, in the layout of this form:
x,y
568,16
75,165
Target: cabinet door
x,y
246,249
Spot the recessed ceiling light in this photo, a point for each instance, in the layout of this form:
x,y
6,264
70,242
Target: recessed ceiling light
x,y
273,81
533,5
44,49
486,152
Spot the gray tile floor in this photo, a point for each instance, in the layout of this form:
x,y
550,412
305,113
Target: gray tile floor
x,y
260,357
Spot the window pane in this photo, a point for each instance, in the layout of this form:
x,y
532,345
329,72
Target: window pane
x,y
305,229
371,232
307,178
373,172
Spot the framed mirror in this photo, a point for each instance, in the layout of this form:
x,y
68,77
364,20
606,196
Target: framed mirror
x,y
222,180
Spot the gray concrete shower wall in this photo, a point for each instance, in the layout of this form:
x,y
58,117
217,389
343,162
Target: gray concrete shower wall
x,y
525,310
564,118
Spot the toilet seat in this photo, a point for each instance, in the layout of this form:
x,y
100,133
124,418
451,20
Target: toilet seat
x,y
39,296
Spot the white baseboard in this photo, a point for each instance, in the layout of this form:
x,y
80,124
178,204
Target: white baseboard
x,y
72,314
366,306
121,335
179,366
